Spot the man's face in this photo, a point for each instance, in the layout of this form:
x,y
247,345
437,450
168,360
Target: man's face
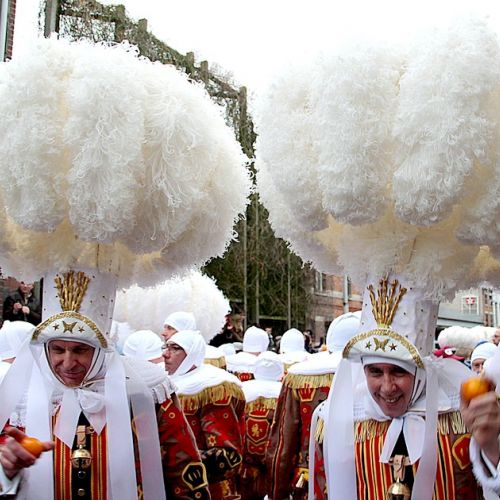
x,y
25,287
390,386
173,355
477,365
70,361
496,337
168,331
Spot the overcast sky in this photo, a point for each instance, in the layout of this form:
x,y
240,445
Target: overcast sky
x,y
251,39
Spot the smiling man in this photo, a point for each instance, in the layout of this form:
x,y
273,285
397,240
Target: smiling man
x,y
391,427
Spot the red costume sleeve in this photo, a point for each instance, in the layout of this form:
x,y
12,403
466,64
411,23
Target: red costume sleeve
x,y
184,472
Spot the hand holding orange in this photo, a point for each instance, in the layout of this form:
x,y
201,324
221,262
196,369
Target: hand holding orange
x,y
474,387
33,445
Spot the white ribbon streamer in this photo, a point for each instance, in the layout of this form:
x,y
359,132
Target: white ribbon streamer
x,y
122,483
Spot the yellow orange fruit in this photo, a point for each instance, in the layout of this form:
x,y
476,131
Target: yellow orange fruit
x,y
33,445
474,387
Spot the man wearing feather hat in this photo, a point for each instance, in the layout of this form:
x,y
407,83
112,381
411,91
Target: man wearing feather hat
x,y
79,401
391,427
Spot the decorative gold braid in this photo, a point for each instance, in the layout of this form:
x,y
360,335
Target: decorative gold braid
x,y
386,305
71,291
261,403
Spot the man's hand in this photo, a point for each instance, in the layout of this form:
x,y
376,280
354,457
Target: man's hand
x,y
26,310
482,416
14,457
17,306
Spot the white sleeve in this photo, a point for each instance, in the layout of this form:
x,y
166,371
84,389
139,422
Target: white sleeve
x,y
486,473
9,486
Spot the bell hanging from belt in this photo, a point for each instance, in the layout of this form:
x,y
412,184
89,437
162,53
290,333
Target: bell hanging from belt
x,y
81,457
399,490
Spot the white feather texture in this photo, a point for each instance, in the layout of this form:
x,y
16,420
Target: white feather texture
x,y
402,160
112,162
147,308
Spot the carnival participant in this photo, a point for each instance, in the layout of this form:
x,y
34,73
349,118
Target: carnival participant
x,y
480,354
261,395
292,348
177,321
213,402
305,386
255,341
84,414
391,425
146,345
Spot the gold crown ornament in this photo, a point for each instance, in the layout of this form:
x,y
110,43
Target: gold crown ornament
x,y
385,308
78,307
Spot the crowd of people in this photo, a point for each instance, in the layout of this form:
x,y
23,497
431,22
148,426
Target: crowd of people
x,y
364,417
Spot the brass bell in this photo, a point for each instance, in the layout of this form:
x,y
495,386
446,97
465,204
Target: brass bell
x,y
81,458
398,491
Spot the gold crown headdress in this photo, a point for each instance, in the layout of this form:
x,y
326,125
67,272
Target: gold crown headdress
x,y
72,289
384,307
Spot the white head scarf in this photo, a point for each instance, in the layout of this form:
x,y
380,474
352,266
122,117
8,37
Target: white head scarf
x,y
195,346
485,350
268,366
181,320
292,340
255,340
12,336
143,344
341,330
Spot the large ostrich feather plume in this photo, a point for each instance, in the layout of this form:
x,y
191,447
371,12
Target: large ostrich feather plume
x,y
386,159
147,308
112,162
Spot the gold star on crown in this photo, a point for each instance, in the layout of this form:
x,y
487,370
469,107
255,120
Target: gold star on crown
x,y
384,307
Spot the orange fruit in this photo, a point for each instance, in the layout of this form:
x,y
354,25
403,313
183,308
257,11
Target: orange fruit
x,y
33,445
474,387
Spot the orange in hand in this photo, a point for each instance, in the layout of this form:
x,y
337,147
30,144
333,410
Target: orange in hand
x,y
33,445
474,387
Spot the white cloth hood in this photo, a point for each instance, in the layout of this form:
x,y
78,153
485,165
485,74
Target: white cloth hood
x,y
181,320
255,340
143,344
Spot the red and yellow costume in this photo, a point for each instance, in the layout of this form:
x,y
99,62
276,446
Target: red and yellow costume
x,y
184,474
287,455
454,477
216,417
258,421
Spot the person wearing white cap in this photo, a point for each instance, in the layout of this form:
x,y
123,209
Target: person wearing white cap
x,y
144,344
261,396
305,386
292,347
12,336
255,341
177,321
482,416
214,403
480,354
391,425
215,356
71,363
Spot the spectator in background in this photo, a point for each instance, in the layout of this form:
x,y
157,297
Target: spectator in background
x,y
496,337
308,334
22,305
